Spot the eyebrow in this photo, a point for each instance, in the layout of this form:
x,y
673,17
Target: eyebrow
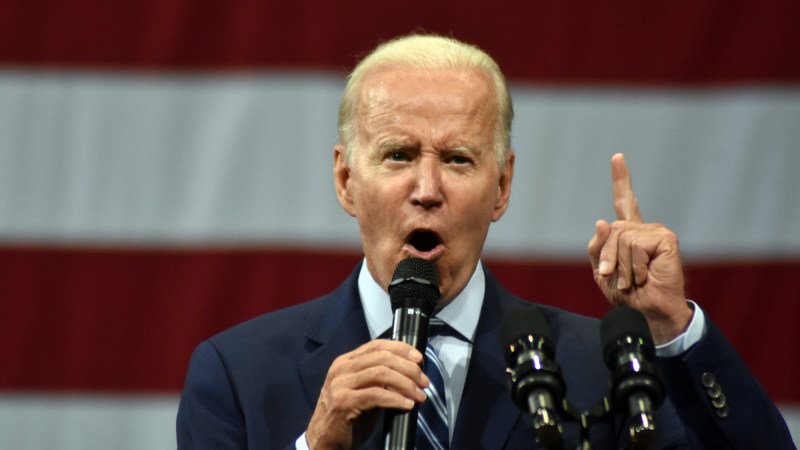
x,y
463,149
393,144
390,145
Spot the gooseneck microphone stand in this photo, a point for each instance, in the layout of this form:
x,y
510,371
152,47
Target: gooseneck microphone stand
x,y
537,386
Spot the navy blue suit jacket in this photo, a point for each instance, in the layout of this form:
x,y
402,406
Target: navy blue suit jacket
x,y
255,385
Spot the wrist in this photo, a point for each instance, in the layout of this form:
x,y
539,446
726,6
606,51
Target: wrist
x,y
666,327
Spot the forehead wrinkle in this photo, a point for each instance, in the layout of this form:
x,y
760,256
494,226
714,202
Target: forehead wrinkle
x,y
379,108
377,100
468,140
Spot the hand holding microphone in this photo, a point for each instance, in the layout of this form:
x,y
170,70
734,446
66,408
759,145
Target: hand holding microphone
x,y
381,374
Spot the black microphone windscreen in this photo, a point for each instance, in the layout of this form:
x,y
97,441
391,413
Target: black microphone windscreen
x,y
621,322
516,328
522,322
415,283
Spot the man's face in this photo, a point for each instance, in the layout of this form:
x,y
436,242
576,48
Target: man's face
x,y
424,180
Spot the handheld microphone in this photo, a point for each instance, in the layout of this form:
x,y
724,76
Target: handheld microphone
x,y
637,388
413,292
536,383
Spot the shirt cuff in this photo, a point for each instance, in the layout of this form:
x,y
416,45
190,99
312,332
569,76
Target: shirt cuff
x,y
300,443
694,332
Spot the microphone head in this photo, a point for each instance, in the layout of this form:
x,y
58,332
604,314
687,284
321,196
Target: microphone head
x,y
524,328
620,324
415,284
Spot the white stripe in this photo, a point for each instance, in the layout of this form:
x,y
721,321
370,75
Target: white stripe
x,y
239,159
122,422
433,393
429,434
87,422
435,399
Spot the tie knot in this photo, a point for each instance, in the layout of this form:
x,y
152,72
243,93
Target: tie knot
x,y
438,328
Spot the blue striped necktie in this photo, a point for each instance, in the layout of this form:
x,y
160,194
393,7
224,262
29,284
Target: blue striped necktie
x,y
432,422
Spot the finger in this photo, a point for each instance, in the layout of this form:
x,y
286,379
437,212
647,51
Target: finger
x,y
601,232
625,203
374,386
378,397
407,369
339,399
624,260
398,348
386,378
641,262
353,364
609,253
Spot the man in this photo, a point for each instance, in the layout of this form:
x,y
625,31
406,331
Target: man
x,y
425,166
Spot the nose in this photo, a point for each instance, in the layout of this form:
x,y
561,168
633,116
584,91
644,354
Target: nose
x,y
428,187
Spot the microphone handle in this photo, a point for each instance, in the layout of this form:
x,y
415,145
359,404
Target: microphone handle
x,y
642,431
410,326
543,409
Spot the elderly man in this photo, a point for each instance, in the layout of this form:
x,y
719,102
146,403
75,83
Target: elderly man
x,y
425,166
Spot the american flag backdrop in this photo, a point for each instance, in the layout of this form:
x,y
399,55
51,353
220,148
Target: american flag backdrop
x,y
166,172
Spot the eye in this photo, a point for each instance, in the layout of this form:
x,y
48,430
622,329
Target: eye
x,y
398,156
459,156
459,160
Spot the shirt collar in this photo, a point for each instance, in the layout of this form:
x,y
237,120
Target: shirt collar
x,y
461,314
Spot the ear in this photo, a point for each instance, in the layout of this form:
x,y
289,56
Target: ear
x,y
341,177
504,187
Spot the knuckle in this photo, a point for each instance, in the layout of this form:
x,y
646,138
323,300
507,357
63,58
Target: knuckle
x,y
381,372
335,369
339,400
384,355
374,345
668,234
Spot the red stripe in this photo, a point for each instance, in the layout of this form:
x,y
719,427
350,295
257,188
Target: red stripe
x,y
127,319
550,41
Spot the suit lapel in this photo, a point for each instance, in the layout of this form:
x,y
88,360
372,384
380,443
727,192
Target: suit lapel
x,y
337,328
487,415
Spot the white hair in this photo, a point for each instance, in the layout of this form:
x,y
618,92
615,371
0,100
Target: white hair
x,y
425,51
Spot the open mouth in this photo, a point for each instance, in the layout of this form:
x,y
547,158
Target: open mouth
x,y
423,240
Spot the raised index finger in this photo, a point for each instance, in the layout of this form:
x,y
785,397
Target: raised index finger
x,y
624,200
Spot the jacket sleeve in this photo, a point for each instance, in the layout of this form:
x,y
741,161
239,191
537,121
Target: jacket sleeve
x,y
719,402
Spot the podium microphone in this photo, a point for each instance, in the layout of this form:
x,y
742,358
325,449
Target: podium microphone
x,y
414,291
536,383
637,388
